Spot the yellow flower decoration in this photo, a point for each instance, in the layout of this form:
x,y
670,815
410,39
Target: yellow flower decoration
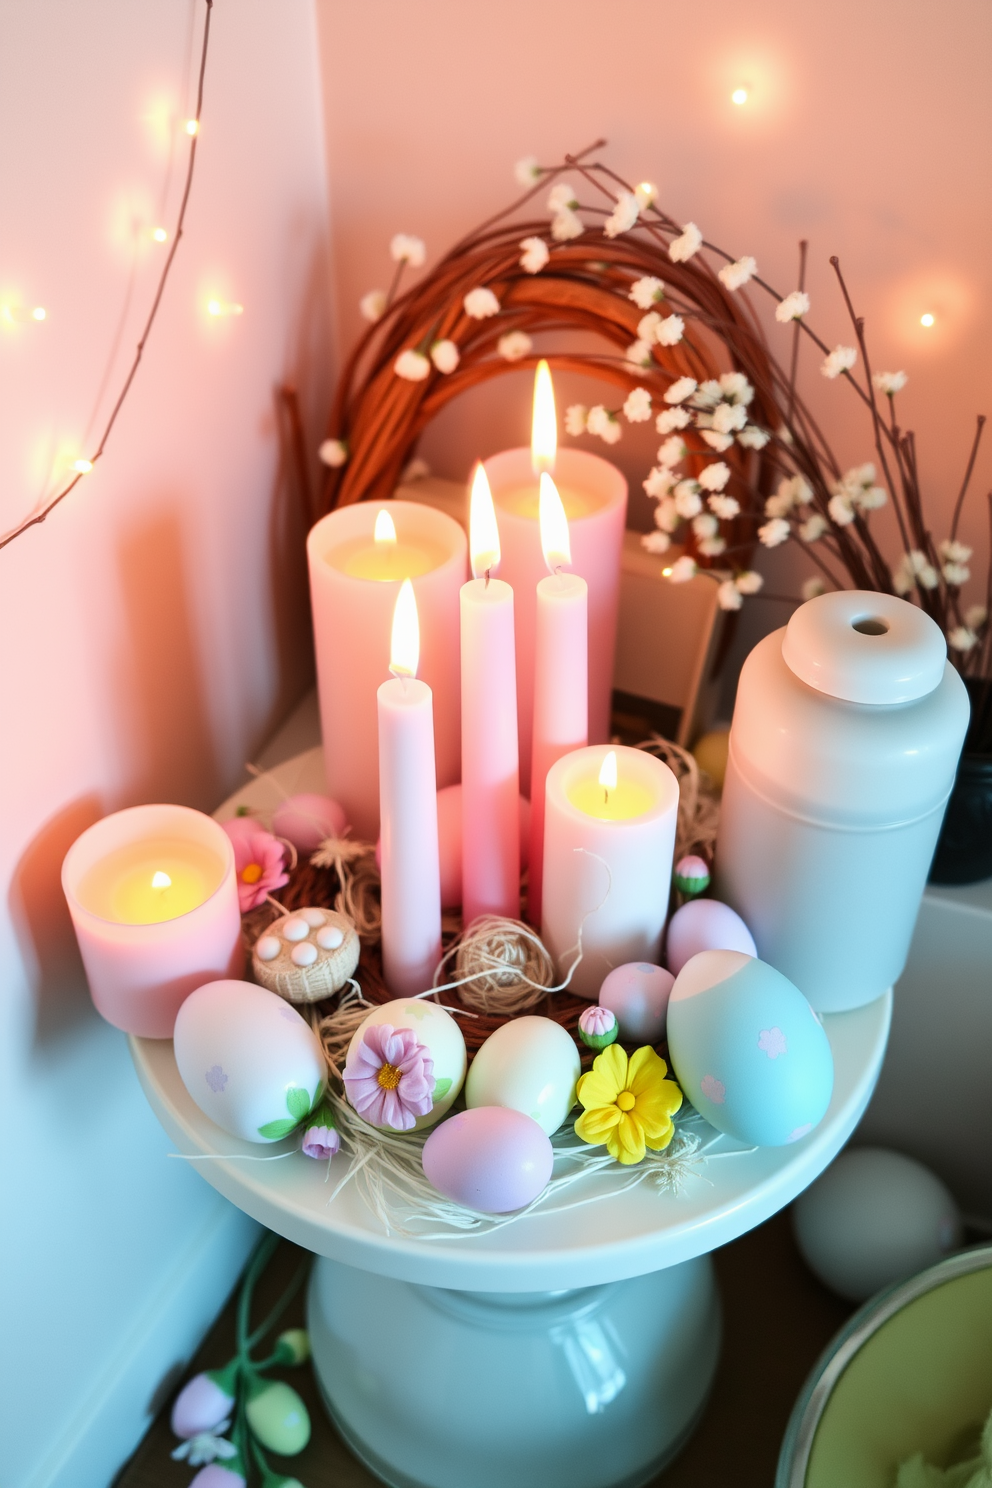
x,y
628,1103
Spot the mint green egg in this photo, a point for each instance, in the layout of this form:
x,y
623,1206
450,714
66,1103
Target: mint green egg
x,y
279,1419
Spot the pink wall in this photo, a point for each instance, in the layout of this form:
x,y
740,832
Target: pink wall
x,y
867,130
153,630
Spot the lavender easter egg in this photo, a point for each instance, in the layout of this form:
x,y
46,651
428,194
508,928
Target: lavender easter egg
x,y
248,1059
705,925
638,994
748,1050
305,820
490,1159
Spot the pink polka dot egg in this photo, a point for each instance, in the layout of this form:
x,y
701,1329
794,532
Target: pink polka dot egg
x,y
748,1050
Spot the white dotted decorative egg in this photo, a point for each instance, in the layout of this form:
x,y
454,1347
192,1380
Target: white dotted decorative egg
x,y
748,1050
306,954
248,1059
406,1065
528,1064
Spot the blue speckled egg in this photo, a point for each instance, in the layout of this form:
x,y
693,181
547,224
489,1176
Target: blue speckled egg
x,y
748,1050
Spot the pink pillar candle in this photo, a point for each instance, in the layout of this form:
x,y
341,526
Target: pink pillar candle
x,y
561,713
594,494
607,861
154,902
490,775
354,581
410,867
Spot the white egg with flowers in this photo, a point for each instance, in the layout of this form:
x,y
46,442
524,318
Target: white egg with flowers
x,y
248,1059
529,1064
406,1065
748,1050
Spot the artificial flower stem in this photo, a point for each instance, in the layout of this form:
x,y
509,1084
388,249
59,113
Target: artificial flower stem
x,y
256,1266
299,1276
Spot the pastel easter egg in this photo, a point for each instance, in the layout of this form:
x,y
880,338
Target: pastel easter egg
x,y
711,753
491,1159
529,1064
278,1417
384,1072
305,820
638,994
705,925
248,1059
748,1050
873,1217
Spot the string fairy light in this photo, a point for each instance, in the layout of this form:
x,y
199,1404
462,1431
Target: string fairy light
x,y
82,466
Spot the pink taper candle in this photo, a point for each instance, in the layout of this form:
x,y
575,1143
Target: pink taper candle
x,y
490,774
561,673
410,868
594,494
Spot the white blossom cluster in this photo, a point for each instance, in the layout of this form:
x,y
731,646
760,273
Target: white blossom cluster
x,y
964,637
856,492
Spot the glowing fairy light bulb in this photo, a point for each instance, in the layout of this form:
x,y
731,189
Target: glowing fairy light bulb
x,y
404,646
483,531
385,527
39,312
554,526
739,96
192,127
926,320
608,774
544,425
82,467
160,235
224,307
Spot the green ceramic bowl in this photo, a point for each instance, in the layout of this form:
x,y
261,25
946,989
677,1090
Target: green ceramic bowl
x,y
911,1372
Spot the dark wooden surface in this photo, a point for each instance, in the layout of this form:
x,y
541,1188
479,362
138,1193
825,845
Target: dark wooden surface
x,y
777,1318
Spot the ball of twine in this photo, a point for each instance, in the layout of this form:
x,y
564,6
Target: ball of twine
x,y
500,966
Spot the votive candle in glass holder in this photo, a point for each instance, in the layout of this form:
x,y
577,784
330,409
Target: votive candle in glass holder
x,y
609,839
154,902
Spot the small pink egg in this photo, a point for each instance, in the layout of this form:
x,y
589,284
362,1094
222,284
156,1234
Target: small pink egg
x,y
242,826
491,1158
305,820
638,994
706,925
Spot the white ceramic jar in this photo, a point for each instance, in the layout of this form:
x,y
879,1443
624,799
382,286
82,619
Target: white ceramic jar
x,y
843,748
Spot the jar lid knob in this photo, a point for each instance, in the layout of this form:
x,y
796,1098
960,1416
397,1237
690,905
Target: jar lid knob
x,y
864,647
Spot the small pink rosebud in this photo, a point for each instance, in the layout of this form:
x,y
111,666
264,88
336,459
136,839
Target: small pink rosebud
x,y
200,1406
321,1141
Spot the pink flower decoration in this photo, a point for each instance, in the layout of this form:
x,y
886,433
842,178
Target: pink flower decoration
x,y
596,1020
259,863
321,1141
389,1078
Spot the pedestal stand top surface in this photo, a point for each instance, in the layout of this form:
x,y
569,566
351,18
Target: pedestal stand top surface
x,y
609,1239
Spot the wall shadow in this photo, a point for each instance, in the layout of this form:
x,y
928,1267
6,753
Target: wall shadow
x,y
164,698
43,926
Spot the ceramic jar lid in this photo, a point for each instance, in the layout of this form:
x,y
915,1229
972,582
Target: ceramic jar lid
x,y
864,647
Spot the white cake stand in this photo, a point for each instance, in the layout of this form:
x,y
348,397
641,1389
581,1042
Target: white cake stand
x,y
568,1350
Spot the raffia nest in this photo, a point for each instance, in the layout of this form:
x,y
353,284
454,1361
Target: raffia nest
x,y
379,415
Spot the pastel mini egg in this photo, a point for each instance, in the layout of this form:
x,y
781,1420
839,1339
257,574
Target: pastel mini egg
x,y
295,929
391,1096
304,954
306,819
314,917
529,1064
748,1050
705,925
330,937
267,949
248,1059
638,994
491,1158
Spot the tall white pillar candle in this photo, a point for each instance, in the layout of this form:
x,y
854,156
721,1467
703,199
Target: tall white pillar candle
x,y
490,774
357,563
609,837
410,867
561,674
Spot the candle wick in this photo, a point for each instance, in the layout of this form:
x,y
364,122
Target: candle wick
x,y
606,796
488,573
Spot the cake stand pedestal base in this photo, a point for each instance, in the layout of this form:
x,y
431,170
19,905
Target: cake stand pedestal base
x,y
593,1388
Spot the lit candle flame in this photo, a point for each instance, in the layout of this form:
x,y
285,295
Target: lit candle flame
x,y
554,526
404,649
483,532
544,426
385,527
608,774
161,880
